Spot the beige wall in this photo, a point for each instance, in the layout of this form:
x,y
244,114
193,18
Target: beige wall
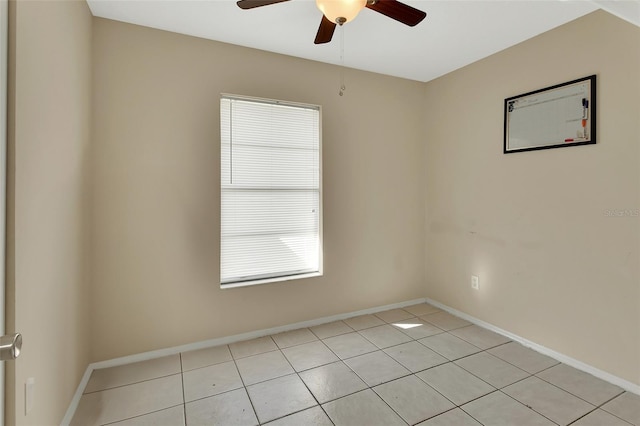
x,y
553,267
156,215
49,119
124,237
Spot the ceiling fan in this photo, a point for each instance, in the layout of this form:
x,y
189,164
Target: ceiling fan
x,y
339,12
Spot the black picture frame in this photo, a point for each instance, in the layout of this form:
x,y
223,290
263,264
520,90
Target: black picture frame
x,y
558,116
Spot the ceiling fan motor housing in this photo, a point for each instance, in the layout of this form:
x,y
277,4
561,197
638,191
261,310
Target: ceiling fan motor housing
x,y
341,11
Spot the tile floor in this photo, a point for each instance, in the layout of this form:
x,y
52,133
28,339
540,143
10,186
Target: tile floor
x,y
416,365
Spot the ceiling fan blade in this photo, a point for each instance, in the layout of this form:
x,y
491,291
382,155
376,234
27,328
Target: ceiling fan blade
x,y
250,4
325,31
399,11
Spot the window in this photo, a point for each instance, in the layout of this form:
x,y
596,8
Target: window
x,y
271,222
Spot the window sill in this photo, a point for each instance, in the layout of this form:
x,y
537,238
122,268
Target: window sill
x,y
270,280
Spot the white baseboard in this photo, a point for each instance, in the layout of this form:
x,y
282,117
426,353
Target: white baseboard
x,y
73,406
572,362
145,356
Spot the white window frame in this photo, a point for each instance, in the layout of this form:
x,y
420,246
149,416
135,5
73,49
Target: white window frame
x,y
294,276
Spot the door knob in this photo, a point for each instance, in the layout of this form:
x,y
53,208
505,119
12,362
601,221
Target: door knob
x,y
10,346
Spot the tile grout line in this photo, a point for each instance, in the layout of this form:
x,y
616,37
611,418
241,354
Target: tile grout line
x,y
214,395
339,334
307,387
480,378
571,393
132,383
525,405
609,400
599,407
135,383
461,407
434,389
340,360
456,405
509,362
386,403
582,416
140,415
244,387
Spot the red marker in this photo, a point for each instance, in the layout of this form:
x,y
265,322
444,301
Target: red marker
x,y
569,140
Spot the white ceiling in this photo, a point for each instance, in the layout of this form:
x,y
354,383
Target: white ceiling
x,y
454,33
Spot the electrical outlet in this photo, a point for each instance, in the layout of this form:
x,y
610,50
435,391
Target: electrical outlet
x,y
475,282
29,391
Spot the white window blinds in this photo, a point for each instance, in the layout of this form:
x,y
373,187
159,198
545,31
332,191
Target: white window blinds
x,y
270,189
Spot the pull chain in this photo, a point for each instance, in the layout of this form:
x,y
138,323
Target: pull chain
x,y
342,85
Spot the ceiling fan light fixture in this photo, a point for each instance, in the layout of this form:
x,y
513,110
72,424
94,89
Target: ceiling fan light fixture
x,y
341,11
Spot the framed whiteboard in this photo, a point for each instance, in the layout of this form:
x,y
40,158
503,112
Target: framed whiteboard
x,y
554,117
